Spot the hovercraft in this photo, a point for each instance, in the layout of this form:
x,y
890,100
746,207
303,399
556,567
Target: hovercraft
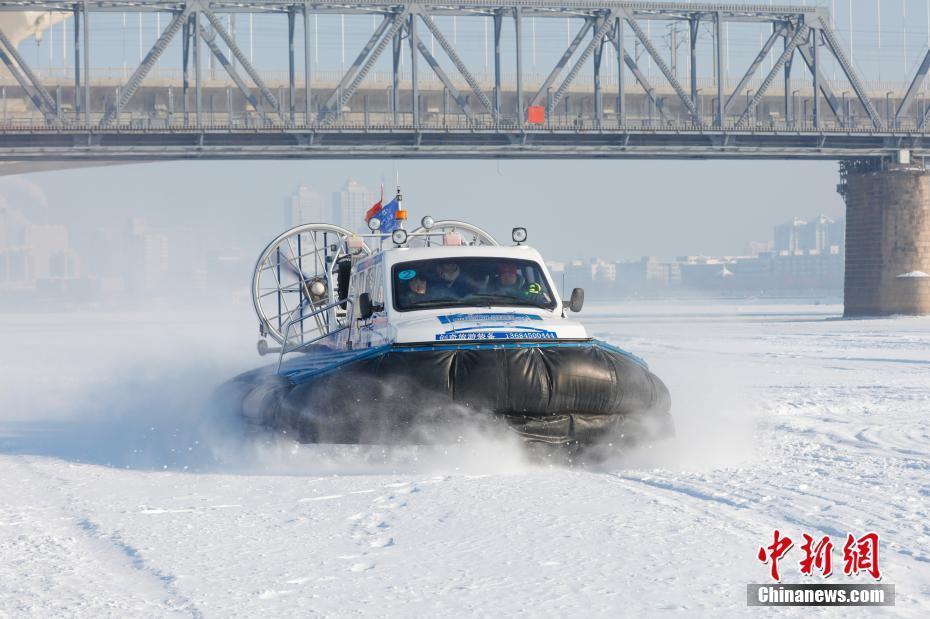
x,y
380,335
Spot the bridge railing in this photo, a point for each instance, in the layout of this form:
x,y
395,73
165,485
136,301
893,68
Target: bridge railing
x,y
380,123
328,79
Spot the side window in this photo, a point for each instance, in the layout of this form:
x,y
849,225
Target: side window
x,y
376,284
353,287
369,276
371,281
531,273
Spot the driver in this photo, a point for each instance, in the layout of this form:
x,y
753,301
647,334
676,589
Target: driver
x,y
508,280
451,283
512,283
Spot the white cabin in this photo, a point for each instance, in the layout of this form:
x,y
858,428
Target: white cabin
x,y
479,309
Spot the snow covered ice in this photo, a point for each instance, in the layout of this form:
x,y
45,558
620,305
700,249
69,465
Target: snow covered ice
x,y
124,494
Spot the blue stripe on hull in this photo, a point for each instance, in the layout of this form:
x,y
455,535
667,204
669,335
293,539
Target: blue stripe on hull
x,y
324,360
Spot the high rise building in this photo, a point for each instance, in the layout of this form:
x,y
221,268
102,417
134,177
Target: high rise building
x,y
154,258
304,206
816,236
350,205
820,234
52,254
788,236
32,252
13,227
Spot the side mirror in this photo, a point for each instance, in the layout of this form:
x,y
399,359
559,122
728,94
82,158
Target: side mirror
x,y
265,349
365,307
577,300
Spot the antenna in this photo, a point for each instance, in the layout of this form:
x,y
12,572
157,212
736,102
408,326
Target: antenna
x,y
852,47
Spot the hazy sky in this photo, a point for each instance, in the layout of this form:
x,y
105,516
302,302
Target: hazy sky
x,y
614,209
618,210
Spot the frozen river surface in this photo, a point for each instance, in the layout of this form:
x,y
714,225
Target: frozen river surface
x,y
123,496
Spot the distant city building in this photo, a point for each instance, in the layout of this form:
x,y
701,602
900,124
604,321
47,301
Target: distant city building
x,y
557,271
660,273
32,252
804,237
226,267
788,235
13,225
104,253
767,273
136,226
38,264
154,258
304,206
578,274
760,247
603,271
15,259
822,271
647,273
350,205
701,272
52,254
132,259
186,257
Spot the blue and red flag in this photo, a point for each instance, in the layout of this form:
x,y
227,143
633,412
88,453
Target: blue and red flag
x,y
386,213
376,207
388,216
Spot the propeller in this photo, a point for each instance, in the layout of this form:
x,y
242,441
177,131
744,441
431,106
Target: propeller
x,y
312,288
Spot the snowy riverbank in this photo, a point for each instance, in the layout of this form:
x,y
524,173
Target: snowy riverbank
x,y
123,495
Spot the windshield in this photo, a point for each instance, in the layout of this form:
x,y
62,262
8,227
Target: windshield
x,y
470,282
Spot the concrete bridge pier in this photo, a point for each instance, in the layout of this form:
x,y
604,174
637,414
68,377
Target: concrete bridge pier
x,y
887,237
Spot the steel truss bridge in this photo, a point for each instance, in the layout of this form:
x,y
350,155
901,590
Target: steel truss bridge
x,y
445,108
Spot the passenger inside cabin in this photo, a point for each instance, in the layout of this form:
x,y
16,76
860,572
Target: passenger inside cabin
x,y
415,290
470,282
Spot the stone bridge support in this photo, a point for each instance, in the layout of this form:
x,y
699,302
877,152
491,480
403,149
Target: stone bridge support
x,y
887,237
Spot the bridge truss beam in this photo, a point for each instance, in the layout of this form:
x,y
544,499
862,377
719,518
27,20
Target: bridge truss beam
x,y
916,83
17,66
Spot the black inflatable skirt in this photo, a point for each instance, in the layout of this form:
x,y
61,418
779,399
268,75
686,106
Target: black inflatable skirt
x,y
582,392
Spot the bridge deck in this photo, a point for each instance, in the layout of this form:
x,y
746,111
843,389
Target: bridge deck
x,y
124,143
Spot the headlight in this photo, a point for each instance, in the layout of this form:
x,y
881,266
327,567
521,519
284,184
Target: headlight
x,y
374,223
399,236
317,288
427,222
518,235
